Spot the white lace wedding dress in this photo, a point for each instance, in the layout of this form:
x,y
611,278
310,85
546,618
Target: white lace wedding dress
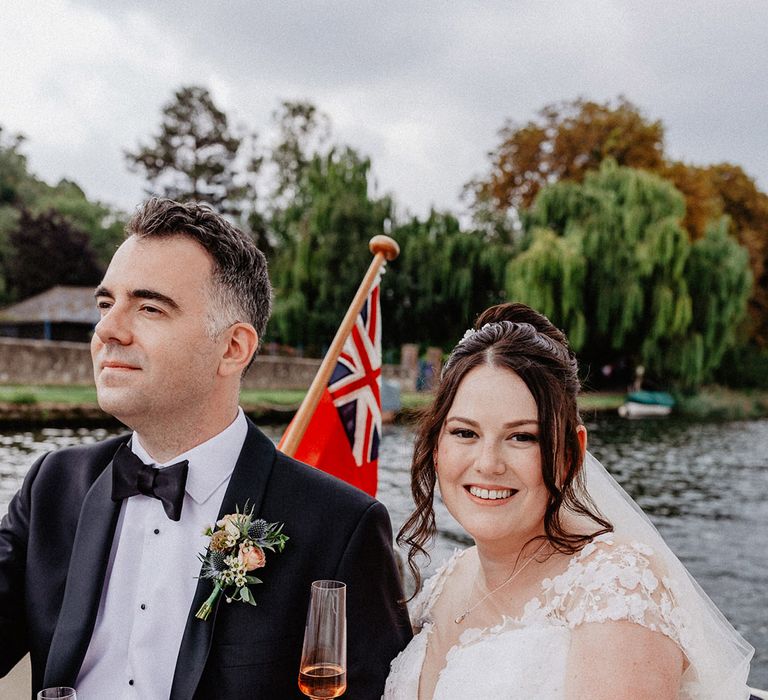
x,y
526,656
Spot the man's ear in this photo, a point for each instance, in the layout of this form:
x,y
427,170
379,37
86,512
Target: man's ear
x,y
241,343
581,435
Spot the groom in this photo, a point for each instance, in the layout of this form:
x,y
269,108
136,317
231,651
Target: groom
x,y
99,553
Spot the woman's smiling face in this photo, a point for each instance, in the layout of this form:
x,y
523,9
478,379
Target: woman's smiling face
x,y
489,460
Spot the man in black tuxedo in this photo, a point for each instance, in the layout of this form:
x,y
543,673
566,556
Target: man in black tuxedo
x,y
98,552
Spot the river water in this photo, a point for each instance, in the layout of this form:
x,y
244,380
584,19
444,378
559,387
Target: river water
x,y
704,485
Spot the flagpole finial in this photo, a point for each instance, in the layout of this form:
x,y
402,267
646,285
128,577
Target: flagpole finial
x,y
385,245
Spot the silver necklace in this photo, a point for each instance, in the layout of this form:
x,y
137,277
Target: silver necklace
x,y
460,618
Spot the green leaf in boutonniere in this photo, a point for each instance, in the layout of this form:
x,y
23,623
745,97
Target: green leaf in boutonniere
x,y
237,546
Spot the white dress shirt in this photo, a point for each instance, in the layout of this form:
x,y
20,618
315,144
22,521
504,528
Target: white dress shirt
x,y
151,577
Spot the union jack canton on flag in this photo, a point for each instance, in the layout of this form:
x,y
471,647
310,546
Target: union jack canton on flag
x,y
343,435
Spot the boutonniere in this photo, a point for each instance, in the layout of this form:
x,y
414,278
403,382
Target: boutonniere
x,y
237,547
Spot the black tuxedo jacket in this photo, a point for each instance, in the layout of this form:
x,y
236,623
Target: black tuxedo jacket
x,y
55,543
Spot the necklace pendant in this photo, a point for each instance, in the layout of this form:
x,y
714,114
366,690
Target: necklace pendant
x,y
461,617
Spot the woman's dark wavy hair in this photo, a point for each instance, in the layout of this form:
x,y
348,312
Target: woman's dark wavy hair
x,y
515,337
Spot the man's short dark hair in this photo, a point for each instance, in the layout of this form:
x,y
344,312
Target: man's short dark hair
x,y
240,291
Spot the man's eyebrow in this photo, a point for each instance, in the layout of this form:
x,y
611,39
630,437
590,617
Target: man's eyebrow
x,y
149,294
152,295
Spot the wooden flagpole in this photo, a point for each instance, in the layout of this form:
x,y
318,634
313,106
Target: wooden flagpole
x,y
383,248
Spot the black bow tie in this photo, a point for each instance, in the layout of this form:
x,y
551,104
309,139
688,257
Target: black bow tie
x,y
130,476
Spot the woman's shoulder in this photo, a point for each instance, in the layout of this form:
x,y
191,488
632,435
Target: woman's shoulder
x,y
610,547
615,579
610,561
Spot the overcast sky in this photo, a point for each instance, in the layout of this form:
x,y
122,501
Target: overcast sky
x,y
422,88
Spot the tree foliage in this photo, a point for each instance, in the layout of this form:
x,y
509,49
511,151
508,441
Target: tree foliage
x,y
28,205
639,258
726,190
569,139
610,263
443,279
549,276
324,250
303,130
718,276
104,226
747,210
47,250
566,141
197,156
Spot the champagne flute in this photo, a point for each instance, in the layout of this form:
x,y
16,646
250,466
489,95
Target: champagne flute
x,y
60,693
323,668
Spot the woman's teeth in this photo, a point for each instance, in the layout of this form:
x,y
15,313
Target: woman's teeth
x,y
490,494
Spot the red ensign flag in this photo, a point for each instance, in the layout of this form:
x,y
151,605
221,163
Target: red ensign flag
x,y
342,437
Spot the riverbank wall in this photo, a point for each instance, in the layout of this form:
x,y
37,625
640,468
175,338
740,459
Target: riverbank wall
x,y
58,363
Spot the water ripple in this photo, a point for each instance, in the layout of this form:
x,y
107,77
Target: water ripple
x,y
704,485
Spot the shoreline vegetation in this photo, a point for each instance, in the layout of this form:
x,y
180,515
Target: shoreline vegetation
x,y
76,406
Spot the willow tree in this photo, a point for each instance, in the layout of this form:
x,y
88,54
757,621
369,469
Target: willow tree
x,y
549,275
324,254
442,280
567,140
610,261
718,275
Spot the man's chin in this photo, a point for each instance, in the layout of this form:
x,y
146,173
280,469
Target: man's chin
x,y
125,408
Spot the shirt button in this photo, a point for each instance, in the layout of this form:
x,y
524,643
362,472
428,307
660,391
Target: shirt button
x,y
157,531
130,682
143,606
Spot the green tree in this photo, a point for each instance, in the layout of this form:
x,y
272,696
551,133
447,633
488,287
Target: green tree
x,y
747,210
104,225
569,139
718,275
610,262
17,185
442,280
197,156
549,276
21,191
303,131
47,250
324,251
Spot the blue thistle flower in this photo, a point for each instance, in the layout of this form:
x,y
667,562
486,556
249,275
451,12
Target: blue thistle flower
x,y
258,530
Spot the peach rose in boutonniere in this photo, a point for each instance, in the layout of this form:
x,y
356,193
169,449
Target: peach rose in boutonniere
x,y
251,556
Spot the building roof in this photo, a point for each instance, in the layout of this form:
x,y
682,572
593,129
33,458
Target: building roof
x,y
58,304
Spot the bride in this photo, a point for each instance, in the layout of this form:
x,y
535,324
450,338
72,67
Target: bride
x,y
569,591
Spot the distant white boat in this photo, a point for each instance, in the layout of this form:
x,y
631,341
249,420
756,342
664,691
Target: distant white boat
x,y
642,404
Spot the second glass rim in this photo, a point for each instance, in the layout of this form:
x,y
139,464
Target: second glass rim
x,y
328,585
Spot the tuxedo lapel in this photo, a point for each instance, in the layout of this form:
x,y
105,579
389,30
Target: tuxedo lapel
x,y
85,580
247,484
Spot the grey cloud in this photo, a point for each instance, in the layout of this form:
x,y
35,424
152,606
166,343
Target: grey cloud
x,y
423,87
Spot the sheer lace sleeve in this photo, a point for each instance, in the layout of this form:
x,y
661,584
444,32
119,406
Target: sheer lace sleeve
x,y
421,606
610,581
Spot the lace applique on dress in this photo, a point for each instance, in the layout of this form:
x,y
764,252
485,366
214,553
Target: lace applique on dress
x,y
403,680
420,608
610,581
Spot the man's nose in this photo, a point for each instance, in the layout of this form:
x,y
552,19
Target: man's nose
x,y
114,327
